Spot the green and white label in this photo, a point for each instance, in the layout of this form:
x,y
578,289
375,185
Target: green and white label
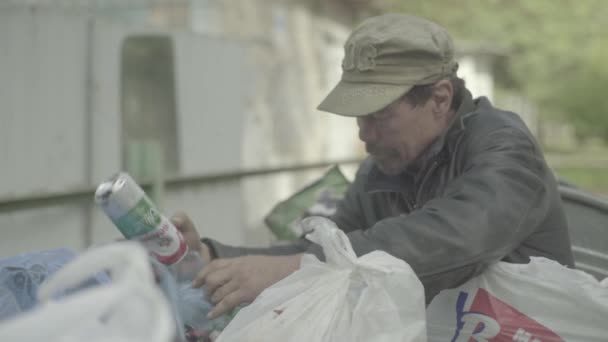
x,y
141,219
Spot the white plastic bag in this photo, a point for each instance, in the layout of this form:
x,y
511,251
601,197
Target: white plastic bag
x,y
373,298
534,302
22,274
129,308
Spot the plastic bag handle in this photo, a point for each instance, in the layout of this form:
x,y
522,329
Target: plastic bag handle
x,y
134,280
100,301
336,245
124,260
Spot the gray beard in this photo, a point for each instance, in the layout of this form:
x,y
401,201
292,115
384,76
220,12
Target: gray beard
x,y
392,168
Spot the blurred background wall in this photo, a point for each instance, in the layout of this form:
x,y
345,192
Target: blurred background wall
x,y
210,104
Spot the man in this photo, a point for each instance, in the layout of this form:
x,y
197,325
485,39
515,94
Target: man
x,y
451,184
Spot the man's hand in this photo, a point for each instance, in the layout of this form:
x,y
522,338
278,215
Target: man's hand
x,y
230,282
183,223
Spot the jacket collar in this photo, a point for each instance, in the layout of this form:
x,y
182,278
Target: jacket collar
x,y
380,182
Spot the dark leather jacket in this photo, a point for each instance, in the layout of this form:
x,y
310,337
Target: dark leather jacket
x,y
482,193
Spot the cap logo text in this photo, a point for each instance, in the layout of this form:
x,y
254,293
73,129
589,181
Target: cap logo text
x,y
360,57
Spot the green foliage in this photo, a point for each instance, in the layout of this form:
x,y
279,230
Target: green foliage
x,y
585,99
557,49
593,180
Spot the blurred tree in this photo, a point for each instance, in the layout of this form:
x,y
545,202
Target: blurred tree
x,y
558,49
585,100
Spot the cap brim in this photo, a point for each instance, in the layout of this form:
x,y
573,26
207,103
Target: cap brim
x,y
358,99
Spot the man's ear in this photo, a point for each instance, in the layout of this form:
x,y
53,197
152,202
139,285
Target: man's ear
x,y
443,92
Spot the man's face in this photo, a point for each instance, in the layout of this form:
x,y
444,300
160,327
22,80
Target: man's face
x,y
399,133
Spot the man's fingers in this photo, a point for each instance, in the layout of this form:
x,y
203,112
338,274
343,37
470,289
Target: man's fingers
x,y
228,303
224,290
182,222
217,279
211,268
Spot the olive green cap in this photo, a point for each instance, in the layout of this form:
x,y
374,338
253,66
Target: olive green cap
x,y
384,57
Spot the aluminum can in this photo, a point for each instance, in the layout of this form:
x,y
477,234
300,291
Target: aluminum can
x,y
137,218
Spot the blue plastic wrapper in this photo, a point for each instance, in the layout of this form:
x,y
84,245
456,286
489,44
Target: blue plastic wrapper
x,y
21,275
190,306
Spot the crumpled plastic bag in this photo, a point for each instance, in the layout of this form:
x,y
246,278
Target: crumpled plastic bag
x,y
129,307
190,306
538,301
372,298
21,275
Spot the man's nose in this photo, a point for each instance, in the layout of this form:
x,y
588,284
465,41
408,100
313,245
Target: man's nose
x,y
367,129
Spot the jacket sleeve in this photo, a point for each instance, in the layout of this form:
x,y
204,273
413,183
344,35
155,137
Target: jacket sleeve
x,y
348,217
483,214
220,250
